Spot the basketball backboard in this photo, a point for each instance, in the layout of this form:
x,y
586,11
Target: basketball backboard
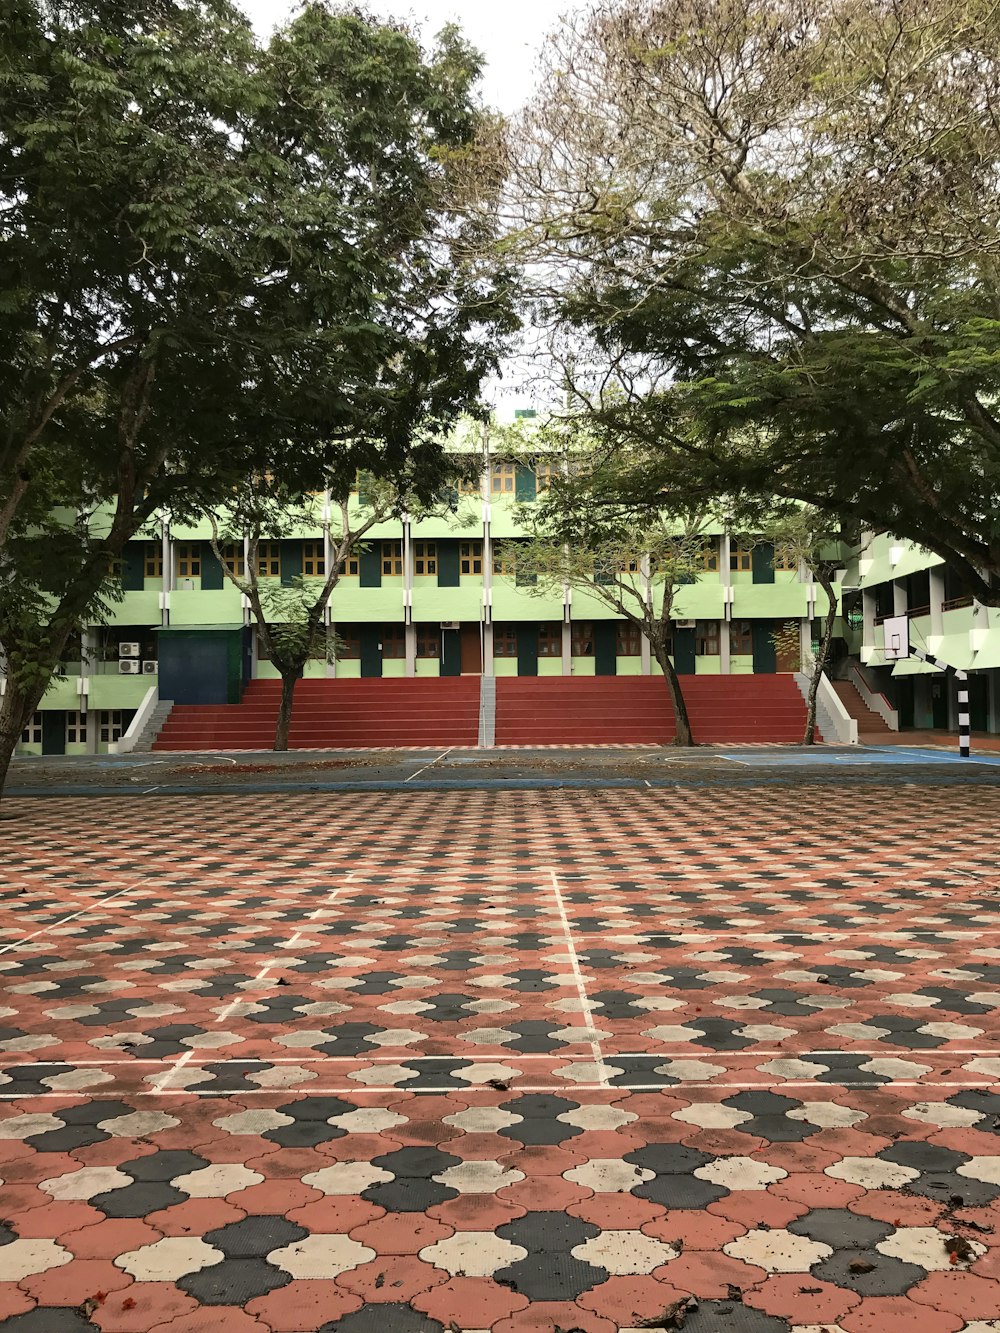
x,y
896,630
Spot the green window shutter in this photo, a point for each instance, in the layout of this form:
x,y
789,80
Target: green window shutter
x,y
451,653
133,567
605,647
765,657
762,562
370,643
291,562
53,731
448,567
369,568
524,413
212,577
527,650
524,483
684,651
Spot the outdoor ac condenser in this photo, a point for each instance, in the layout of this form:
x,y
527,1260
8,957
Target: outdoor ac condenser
x,y
129,667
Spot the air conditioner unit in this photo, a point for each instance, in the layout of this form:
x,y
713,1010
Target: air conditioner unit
x,y
128,650
185,585
126,667
450,624
150,667
684,624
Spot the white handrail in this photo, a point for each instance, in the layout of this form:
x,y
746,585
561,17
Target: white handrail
x,y
143,713
875,700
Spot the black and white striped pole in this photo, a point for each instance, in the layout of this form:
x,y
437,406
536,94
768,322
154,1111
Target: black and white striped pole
x,y
897,646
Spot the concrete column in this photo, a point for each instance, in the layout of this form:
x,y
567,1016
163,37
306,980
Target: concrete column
x,y
937,599
331,667
410,632
486,611
567,644
726,579
168,566
805,644
868,619
645,650
899,602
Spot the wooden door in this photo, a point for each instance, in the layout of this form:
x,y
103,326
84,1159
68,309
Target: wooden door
x,y
472,651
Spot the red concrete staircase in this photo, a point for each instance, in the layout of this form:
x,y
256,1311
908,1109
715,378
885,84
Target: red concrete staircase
x,y
546,710
621,710
870,724
331,714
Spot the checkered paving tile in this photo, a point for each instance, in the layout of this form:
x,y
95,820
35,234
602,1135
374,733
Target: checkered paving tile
x,y
543,1060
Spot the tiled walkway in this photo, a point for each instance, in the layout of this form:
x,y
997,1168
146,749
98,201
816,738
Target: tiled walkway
x,y
533,1061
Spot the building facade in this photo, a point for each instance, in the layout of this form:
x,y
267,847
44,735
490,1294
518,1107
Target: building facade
x,y
438,597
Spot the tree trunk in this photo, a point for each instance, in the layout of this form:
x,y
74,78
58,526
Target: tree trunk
x,y
288,682
682,732
819,666
15,710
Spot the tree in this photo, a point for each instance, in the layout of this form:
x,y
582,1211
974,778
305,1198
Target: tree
x,y
291,619
806,536
775,227
634,559
215,258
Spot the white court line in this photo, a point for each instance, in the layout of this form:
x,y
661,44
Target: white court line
x,y
357,1089
289,944
63,920
430,765
159,1084
585,1014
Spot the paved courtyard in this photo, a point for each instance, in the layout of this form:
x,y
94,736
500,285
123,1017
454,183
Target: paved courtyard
x,y
716,1057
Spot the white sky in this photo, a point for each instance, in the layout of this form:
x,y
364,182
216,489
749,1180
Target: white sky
x,y
508,32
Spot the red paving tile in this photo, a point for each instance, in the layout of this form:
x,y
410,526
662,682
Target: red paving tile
x,y
261,1067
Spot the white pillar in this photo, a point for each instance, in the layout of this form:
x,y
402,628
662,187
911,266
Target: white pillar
x,y
936,577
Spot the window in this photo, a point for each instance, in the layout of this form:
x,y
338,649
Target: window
x,y
425,558
740,557
350,642
505,561
785,562
504,641
268,560
351,567
314,559
470,486
706,638
470,557
583,639
152,560
550,640
629,639
708,557
32,734
741,638
502,478
428,641
232,558
110,725
546,474
188,557
76,728
392,558
393,641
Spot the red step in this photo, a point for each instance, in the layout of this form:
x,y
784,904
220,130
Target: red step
x,y
602,710
334,714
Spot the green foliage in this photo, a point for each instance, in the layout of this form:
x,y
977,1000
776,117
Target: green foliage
x,y
783,239
218,258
